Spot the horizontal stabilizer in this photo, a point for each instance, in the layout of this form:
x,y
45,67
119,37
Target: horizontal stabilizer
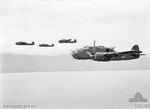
x,y
142,54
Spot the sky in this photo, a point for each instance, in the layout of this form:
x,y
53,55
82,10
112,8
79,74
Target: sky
x,y
112,23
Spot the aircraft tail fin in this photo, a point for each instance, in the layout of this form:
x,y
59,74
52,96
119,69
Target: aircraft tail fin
x,y
33,42
75,40
135,48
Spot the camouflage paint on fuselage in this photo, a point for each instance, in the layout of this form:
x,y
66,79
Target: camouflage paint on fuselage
x,y
128,56
82,53
116,57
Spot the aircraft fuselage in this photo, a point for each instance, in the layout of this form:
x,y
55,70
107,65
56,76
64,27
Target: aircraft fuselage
x,y
115,57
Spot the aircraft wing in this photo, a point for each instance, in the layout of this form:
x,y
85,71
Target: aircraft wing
x,y
116,54
119,53
126,52
107,53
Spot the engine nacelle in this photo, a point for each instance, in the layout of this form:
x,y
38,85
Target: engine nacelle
x,y
101,57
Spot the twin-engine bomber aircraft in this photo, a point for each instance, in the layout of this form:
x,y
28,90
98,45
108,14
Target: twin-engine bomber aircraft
x,y
24,43
104,56
67,41
46,45
87,52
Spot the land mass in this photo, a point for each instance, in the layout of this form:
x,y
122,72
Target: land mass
x,y
12,63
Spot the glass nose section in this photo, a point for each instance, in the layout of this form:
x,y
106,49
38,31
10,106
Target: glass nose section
x,y
74,54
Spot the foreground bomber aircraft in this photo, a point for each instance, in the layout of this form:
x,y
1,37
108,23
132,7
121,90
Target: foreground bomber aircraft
x,y
24,43
46,45
87,52
134,53
67,41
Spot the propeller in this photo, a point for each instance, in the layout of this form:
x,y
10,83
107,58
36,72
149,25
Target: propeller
x,y
72,52
91,56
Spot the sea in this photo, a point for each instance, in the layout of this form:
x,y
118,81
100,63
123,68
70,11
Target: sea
x,y
75,90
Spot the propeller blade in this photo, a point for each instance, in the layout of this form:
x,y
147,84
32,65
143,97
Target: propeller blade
x,y
92,56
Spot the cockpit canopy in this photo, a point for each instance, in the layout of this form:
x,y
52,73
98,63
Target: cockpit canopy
x,y
96,49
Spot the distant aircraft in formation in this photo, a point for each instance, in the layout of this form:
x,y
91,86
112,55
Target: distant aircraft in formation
x,y
96,53
67,41
101,53
46,45
24,43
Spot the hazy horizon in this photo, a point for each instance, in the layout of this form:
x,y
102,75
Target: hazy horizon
x,y
11,63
